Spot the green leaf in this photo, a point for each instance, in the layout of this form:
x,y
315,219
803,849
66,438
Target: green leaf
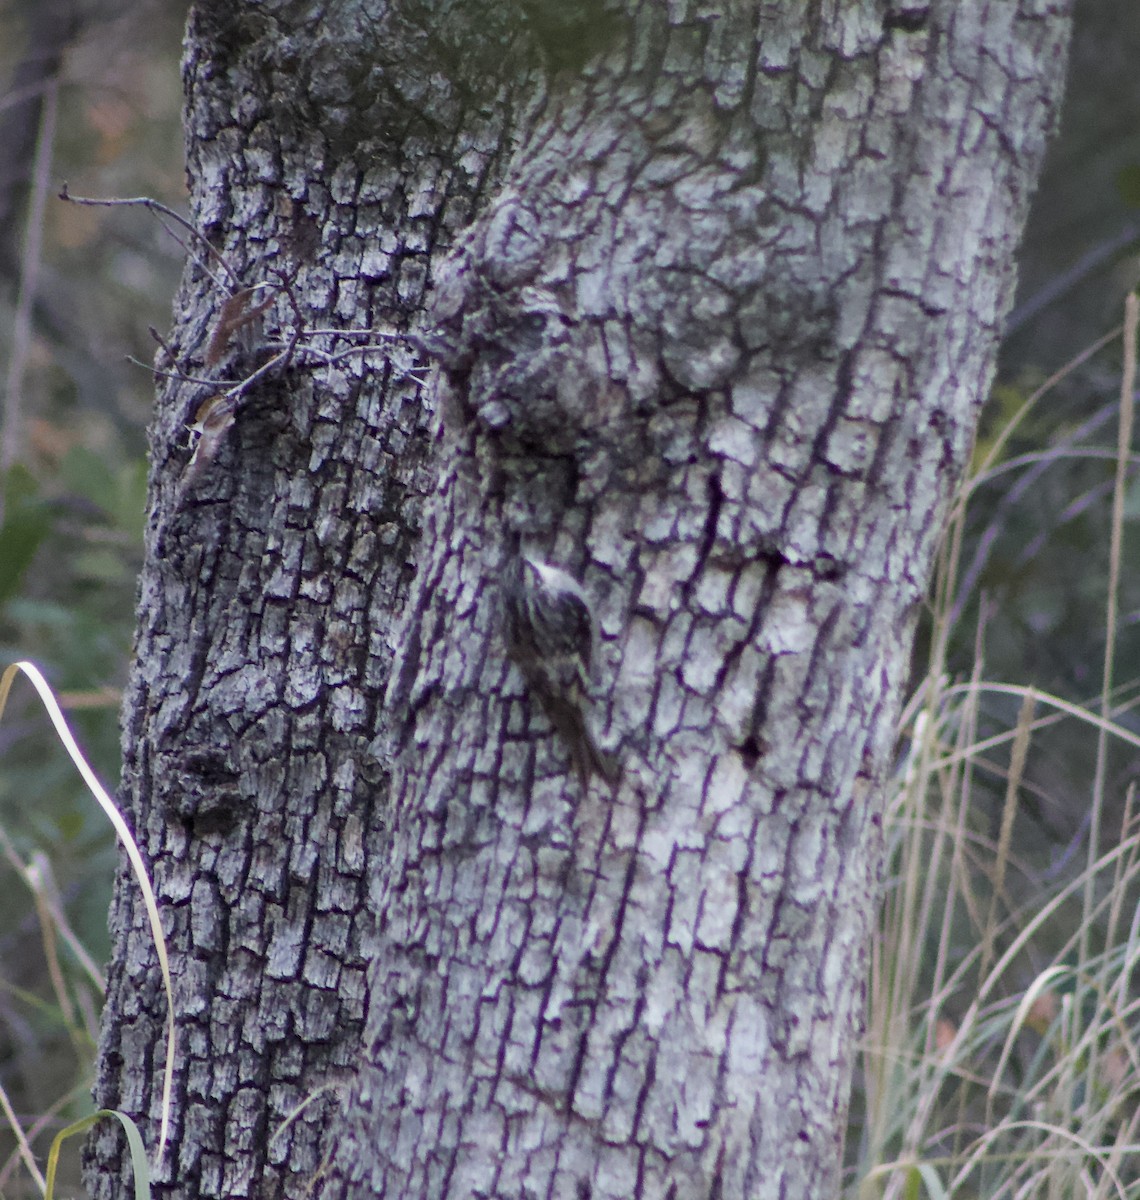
x,y
922,1179
139,1165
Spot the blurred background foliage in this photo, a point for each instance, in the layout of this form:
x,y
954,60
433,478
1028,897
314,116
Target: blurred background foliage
x,y
1030,597
90,93
1002,1054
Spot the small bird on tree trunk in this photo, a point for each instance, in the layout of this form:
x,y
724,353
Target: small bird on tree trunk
x,y
552,634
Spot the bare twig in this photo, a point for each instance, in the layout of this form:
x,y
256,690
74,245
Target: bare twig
x,y
381,335
156,206
239,389
328,358
178,376
164,344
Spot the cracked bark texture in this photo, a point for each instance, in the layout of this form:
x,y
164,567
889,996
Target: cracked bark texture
x,y
714,292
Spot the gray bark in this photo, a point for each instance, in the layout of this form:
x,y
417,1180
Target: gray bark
x,y
272,572
714,339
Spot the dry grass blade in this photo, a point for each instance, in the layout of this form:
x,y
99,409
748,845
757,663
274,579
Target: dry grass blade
x,y
25,1149
67,740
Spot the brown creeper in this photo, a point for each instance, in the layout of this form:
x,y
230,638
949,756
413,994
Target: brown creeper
x,y
552,634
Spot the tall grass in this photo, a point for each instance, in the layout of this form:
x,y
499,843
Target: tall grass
x,y
55,929
1002,1052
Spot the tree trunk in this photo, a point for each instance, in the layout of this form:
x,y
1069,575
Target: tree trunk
x,y
713,339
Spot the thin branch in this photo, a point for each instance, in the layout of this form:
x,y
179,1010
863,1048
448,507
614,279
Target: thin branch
x,y
294,348
177,376
391,335
163,343
240,388
328,358
156,206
